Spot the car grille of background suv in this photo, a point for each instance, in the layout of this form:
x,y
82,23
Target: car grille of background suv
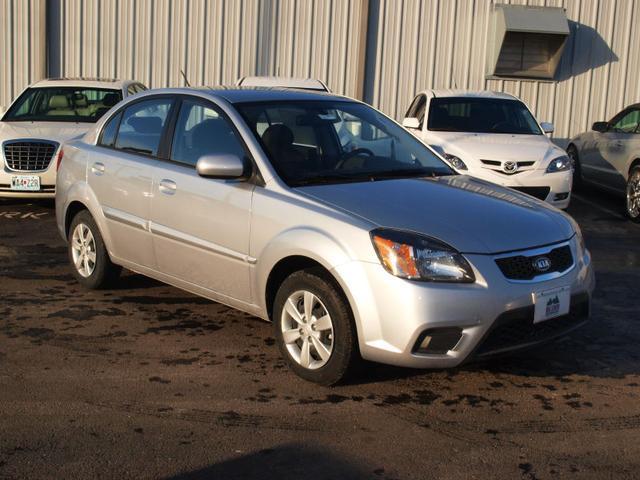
x,y
29,156
539,192
520,267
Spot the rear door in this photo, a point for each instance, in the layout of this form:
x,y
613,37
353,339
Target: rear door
x,y
200,225
120,174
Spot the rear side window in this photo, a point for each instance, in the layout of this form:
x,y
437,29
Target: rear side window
x,y
108,138
141,127
200,131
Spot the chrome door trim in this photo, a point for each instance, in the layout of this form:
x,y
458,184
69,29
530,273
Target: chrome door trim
x,y
126,218
172,234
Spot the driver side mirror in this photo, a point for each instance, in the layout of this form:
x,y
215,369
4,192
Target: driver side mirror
x,y
600,127
223,166
547,127
411,122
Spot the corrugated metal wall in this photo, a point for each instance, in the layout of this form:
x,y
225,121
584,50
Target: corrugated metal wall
x,y
22,46
212,41
422,44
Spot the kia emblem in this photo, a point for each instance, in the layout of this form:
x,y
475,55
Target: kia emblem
x,y
542,264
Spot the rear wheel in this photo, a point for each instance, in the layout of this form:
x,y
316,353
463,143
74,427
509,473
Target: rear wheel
x,y
88,255
572,152
633,195
314,328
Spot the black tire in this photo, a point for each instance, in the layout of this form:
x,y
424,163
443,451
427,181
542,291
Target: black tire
x,y
345,355
105,272
572,152
633,183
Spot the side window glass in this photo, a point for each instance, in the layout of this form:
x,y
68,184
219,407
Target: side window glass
x,y
109,131
417,108
201,130
131,90
628,123
142,125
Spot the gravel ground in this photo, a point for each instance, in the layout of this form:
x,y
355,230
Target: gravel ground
x,y
147,381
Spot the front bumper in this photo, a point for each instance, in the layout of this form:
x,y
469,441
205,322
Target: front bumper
x,y
392,314
553,188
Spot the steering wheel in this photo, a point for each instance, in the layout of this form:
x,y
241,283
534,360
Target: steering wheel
x,y
353,153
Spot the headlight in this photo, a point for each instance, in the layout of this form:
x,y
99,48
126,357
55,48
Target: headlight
x,y
455,161
559,164
417,257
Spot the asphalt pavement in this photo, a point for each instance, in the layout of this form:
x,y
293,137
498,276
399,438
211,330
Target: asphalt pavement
x,y
147,381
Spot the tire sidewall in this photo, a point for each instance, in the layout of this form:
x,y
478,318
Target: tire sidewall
x,y
344,336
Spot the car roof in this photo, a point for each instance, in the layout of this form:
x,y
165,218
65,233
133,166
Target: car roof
x,y
472,94
286,82
112,83
234,94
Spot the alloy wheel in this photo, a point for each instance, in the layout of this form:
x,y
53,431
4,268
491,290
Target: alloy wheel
x,y
83,250
307,330
633,196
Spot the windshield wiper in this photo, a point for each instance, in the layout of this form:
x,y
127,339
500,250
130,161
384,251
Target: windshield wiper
x,y
329,178
404,173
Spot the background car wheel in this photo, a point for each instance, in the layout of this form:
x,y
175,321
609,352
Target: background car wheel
x,y
89,259
314,327
572,152
633,195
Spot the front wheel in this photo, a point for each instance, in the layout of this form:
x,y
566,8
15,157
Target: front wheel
x,y
572,153
314,328
633,195
88,255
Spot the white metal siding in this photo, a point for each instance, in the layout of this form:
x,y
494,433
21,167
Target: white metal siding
x,y
422,44
22,46
212,41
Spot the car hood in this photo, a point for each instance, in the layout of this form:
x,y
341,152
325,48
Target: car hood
x,y
57,131
496,146
471,215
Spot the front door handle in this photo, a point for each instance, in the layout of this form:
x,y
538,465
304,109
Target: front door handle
x,y
168,187
97,168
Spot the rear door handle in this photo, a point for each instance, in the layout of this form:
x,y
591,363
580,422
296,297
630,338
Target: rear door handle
x,y
98,168
168,187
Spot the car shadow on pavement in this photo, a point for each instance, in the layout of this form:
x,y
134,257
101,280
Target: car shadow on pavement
x,y
289,461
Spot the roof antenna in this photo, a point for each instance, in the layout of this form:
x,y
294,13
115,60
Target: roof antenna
x,y
185,78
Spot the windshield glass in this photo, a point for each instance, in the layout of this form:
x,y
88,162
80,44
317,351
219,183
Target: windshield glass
x,y
481,115
63,104
315,142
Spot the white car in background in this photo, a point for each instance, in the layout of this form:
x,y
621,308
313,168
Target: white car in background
x,y
495,137
44,116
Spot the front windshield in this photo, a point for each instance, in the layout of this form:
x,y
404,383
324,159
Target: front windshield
x,y
316,142
481,115
62,104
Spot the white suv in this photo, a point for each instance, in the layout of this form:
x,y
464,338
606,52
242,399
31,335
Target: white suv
x,y
44,116
495,137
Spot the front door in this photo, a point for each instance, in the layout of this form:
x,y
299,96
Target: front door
x,y
200,226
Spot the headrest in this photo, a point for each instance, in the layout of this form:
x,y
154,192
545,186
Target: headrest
x,y
146,124
80,100
110,99
59,102
277,136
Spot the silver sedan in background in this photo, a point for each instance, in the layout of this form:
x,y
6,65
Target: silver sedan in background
x,y
373,248
608,157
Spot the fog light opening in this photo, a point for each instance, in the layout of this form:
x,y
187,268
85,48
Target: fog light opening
x,y
438,341
561,196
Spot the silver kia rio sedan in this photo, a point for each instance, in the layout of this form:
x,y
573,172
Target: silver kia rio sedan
x,y
324,216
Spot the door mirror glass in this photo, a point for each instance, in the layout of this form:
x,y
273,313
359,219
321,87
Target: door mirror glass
x,y
411,122
547,127
600,127
226,166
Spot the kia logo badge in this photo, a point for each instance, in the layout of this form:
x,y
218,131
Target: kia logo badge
x,y
542,264
510,167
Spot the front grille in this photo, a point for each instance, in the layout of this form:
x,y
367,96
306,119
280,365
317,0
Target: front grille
x,y
539,192
515,329
521,267
29,156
